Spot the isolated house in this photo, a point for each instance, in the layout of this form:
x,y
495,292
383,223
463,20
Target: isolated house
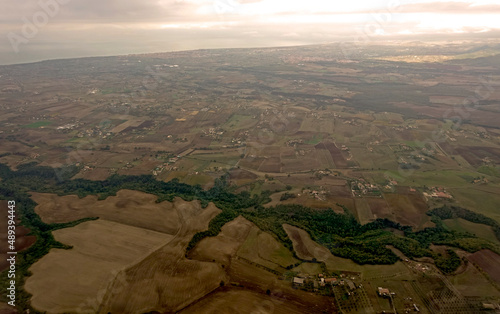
x,y
350,284
331,281
383,292
298,281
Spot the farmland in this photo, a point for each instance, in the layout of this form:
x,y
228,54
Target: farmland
x,y
244,169
122,208
122,251
87,270
234,300
462,225
489,262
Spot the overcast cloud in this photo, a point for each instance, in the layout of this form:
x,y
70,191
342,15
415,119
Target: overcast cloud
x,y
74,28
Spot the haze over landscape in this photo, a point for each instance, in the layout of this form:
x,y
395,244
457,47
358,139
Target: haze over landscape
x,y
185,156
97,28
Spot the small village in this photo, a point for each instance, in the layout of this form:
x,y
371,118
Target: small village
x,y
437,192
325,282
350,294
360,187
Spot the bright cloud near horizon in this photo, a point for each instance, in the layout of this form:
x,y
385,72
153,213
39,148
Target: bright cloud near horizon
x,y
49,29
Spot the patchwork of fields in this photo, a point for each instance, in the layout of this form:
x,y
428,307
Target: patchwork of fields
x,y
380,139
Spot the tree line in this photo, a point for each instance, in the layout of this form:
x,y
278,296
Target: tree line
x,y
339,232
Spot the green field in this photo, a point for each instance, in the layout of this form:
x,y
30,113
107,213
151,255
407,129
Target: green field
x,y
335,263
308,268
37,124
472,283
272,250
202,161
480,230
484,201
200,179
315,139
254,117
239,122
382,157
263,249
363,210
490,170
445,178
388,117
317,125
384,271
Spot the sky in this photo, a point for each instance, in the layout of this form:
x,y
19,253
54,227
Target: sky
x,y
34,30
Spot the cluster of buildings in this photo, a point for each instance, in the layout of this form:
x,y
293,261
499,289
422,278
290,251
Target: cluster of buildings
x,y
322,173
236,142
322,281
241,138
384,292
346,279
487,160
405,147
493,306
405,127
179,139
68,126
360,187
418,157
437,192
166,166
427,152
213,132
352,122
391,183
317,194
294,142
479,181
94,132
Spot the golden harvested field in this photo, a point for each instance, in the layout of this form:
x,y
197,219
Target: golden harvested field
x,y
128,207
224,246
471,283
75,280
120,266
166,281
